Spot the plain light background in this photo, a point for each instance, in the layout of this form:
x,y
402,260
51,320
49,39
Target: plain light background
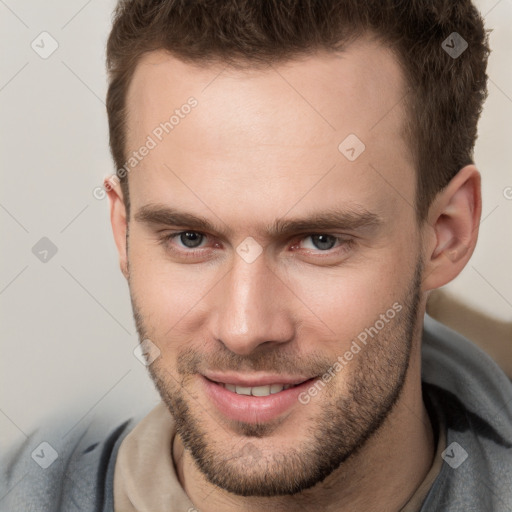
x,y
67,330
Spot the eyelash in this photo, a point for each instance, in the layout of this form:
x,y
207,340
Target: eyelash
x,y
345,244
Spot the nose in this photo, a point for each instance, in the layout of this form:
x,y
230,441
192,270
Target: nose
x,y
252,308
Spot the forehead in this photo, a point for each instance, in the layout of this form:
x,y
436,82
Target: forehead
x,y
278,125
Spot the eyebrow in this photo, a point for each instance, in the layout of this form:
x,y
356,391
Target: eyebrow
x,y
355,219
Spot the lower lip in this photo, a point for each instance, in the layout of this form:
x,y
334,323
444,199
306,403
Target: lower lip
x,y
253,409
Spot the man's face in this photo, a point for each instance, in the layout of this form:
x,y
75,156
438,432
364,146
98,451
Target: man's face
x,y
255,300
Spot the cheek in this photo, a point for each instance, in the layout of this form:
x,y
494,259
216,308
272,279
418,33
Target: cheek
x,y
169,297
349,299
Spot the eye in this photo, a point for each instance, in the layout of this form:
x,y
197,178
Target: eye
x,y
183,242
323,242
190,239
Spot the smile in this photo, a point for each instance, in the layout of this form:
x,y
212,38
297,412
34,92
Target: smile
x,y
259,403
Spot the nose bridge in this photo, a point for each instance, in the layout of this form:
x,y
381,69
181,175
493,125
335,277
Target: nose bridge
x,y
249,309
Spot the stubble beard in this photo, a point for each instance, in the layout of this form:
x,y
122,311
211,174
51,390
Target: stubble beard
x,y
374,383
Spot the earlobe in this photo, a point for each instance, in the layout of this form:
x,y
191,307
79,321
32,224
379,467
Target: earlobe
x,y
118,221
452,227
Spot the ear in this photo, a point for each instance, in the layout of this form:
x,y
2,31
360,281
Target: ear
x,y
451,230
118,220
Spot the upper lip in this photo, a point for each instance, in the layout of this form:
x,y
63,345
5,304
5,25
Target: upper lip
x,y
254,381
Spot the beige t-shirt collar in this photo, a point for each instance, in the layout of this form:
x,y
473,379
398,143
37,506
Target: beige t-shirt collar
x,y
145,479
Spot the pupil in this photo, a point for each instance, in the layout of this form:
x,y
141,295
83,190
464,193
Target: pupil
x,y
191,239
324,242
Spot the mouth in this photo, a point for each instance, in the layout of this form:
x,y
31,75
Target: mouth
x,y
260,402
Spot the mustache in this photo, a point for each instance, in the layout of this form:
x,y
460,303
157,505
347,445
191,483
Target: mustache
x,y
191,362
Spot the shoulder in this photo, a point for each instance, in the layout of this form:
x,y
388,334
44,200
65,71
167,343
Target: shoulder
x,y
48,472
473,397
455,364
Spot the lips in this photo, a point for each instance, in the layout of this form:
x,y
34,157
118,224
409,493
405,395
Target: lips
x,y
255,400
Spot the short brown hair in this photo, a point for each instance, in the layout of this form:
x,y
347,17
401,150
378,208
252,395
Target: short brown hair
x,y
446,96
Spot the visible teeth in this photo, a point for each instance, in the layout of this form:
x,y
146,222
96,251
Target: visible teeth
x,y
241,390
258,390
